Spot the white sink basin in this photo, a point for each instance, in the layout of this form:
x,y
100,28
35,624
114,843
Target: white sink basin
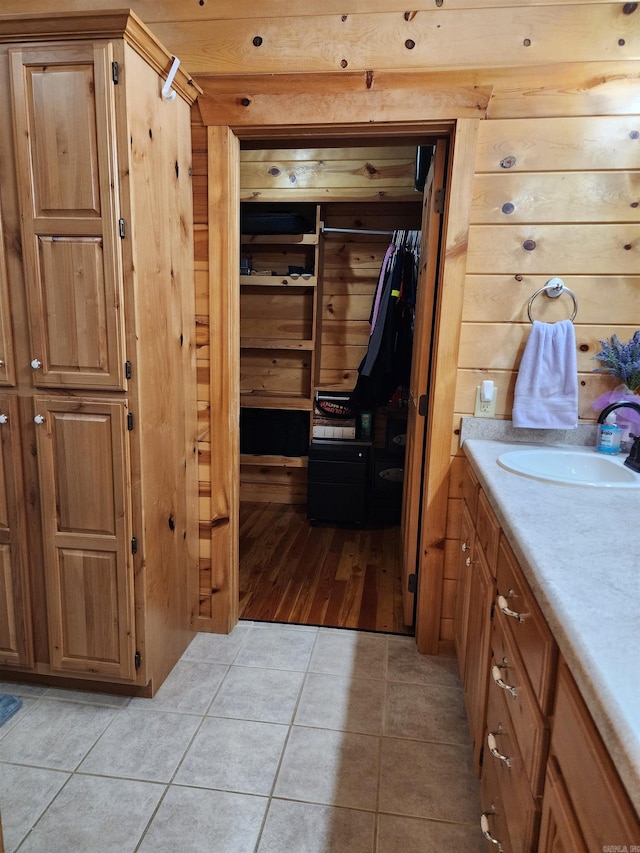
x,y
571,467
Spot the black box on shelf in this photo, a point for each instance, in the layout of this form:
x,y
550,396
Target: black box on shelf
x,y
274,432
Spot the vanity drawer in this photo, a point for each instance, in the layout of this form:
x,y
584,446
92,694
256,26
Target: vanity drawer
x,y
518,612
521,809
530,730
487,531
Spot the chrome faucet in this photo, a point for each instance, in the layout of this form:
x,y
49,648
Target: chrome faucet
x,y
633,459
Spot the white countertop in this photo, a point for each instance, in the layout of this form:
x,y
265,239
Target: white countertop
x,y
579,548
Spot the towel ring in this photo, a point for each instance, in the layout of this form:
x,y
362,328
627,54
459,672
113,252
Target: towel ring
x,y
554,288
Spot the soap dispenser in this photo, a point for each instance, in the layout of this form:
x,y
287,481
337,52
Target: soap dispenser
x,y
609,435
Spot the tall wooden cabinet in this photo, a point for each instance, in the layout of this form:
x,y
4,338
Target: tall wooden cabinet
x,y
97,338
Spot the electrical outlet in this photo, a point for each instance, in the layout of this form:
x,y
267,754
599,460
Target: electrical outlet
x,y
485,410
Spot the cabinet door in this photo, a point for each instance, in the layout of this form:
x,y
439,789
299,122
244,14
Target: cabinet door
x,y
15,622
476,680
7,375
84,482
559,832
465,568
64,115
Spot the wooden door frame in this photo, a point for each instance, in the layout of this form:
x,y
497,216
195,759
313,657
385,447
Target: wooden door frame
x,y
223,162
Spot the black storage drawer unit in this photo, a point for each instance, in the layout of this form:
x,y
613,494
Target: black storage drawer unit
x,y
337,481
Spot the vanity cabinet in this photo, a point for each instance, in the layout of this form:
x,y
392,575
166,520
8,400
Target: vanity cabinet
x,y
95,188
548,784
585,806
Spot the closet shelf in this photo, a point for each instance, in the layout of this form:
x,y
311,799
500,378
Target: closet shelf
x,y
258,400
273,461
275,343
277,281
279,239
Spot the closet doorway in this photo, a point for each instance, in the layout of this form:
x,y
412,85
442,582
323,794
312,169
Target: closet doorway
x,y
303,333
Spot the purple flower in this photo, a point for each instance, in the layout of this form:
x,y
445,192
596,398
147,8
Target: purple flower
x,y
621,360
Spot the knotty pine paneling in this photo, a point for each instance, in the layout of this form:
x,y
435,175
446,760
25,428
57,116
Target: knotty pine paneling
x,y
323,174
154,11
556,197
559,144
442,37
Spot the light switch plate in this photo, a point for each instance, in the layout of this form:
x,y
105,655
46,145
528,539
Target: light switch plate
x,y
485,410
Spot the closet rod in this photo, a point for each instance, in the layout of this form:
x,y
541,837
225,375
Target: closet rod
x,y
356,231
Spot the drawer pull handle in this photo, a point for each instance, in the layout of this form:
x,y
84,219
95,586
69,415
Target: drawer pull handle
x,y
484,826
493,749
497,677
503,604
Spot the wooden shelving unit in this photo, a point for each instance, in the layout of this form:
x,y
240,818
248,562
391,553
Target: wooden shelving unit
x,y
279,318
279,338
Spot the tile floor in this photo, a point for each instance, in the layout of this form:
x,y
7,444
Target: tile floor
x,y
274,739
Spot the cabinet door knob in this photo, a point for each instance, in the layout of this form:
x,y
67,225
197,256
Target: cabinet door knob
x,y
4,419
493,749
36,363
503,604
1,363
484,826
497,677
39,419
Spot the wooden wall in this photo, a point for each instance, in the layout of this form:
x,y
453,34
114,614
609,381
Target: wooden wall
x,y
555,84
572,195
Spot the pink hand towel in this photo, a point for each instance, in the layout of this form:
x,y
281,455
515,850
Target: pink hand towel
x,y
546,392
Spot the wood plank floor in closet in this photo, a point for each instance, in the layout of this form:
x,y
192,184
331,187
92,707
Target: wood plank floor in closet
x,y
333,576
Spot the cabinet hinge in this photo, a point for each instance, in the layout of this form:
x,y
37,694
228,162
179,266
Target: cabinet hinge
x,y
438,201
129,421
134,545
423,405
137,658
122,228
127,370
412,583
114,72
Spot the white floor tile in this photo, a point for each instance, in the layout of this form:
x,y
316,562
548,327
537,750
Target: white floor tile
x,y
310,828
55,734
96,815
198,821
345,704
334,768
25,792
145,745
233,755
426,712
350,653
250,693
189,688
429,780
217,648
277,648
